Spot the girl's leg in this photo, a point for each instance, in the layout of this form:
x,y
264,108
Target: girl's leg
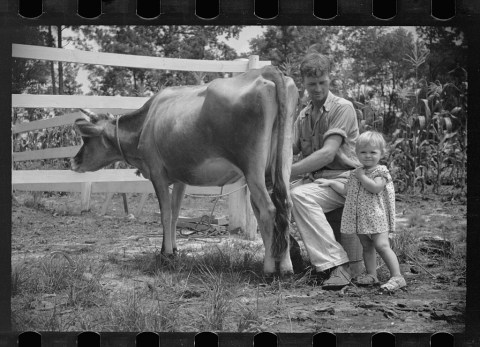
x,y
382,245
369,256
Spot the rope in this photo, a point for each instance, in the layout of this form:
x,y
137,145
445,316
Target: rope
x,y
211,231
214,195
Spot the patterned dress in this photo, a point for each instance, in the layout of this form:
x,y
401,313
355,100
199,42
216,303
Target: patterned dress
x,y
368,213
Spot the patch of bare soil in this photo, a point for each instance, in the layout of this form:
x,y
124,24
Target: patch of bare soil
x,y
118,251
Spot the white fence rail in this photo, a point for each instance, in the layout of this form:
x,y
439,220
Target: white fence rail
x,y
129,60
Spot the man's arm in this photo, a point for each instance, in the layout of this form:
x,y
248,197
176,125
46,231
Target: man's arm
x,y
320,158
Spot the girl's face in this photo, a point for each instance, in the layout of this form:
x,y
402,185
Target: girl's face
x,y
369,156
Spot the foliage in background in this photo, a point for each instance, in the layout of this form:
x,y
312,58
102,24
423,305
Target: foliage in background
x,y
186,42
412,88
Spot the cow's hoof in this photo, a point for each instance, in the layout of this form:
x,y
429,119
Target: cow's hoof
x,y
271,277
164,259
286,275
171,256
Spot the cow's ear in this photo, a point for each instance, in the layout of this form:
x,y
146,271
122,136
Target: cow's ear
x,y
87,129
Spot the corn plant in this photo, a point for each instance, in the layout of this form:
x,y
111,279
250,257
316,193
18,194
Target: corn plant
x,y
429,143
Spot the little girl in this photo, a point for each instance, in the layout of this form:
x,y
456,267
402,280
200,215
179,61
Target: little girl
x,y
370,209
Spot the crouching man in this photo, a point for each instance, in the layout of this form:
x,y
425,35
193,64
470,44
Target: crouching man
x,y
325,133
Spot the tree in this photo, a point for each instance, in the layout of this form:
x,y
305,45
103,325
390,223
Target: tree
x,y
448,51
286,46
189,42
29,75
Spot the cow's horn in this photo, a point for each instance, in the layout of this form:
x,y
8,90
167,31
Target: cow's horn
x,y
88,113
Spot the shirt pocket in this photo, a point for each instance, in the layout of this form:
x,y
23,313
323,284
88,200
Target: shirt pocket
x,y
306,144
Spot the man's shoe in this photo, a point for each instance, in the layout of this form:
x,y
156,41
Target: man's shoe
x,y
322,276
339,278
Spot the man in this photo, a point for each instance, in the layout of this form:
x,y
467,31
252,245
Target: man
x,y
325,133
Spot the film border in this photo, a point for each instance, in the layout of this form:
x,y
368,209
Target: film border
x,y
351,12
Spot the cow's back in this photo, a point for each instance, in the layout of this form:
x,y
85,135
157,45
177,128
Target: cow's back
x,y
205,135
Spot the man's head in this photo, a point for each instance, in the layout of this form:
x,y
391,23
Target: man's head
x,y
315,70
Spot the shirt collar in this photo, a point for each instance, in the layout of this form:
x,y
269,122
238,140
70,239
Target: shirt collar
x,y
326,106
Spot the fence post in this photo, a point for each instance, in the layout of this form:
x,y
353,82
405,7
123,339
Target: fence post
x,y
240,212
85,196
253,62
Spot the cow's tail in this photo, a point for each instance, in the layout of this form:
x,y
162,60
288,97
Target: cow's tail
x,y
279,194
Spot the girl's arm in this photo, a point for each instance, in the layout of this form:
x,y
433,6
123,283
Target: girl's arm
x,y
374,186
335,185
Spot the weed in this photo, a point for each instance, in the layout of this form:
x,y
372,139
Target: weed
x,y
249,317
20,279
135,312
219,296
77,278
405,243
415,220
233,256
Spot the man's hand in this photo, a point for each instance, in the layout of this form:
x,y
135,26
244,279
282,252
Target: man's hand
x,y
323,182
335,185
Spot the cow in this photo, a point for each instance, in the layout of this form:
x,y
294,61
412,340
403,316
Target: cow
x,y
208,135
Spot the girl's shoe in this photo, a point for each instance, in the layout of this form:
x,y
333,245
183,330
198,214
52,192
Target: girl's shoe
x,y
366,281
394,283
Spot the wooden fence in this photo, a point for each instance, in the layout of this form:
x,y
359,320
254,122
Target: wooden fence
x,y
112,181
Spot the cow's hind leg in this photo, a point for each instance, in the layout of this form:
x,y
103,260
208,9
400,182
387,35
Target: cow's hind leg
x,y
286,265
265,214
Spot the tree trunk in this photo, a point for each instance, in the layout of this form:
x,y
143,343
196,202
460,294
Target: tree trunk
x,y
134,80
52,64
60,65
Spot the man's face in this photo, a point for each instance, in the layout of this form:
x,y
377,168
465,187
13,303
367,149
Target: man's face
x,y
317,87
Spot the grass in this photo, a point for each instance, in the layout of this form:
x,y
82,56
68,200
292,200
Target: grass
x,y
220,288
405,243
249,317
211,287
134,311
53,286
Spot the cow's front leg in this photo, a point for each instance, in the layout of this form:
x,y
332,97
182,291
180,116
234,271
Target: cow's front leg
x,y
160,184
177,197
264,211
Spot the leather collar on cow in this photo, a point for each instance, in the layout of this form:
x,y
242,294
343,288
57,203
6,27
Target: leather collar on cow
x,y
118,139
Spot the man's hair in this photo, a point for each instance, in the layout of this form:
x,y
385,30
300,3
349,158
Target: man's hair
x,y
372,138
314,64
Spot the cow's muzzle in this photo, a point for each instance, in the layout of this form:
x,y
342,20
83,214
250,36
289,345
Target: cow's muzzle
x,y
75,166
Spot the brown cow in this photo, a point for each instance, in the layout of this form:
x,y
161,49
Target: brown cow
x,y
208,135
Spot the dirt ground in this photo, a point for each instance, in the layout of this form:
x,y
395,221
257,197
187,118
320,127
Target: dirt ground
x,y
433,301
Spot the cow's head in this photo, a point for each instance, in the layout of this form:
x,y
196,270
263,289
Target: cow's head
x,y
99,148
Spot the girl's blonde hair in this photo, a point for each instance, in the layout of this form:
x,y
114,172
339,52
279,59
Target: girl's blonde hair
x,y
372,138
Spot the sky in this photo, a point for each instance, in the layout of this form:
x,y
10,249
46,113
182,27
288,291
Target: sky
x,y
241,44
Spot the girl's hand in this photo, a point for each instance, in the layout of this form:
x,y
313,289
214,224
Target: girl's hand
x,y
360,172
322,182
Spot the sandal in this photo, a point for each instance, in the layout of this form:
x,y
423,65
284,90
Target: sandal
x,y
394,283
366,280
